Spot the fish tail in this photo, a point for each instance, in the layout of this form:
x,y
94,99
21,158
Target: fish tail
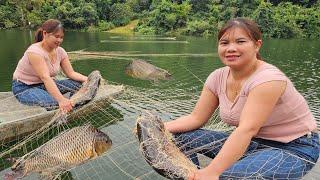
x,y
168,76
12,175
60,117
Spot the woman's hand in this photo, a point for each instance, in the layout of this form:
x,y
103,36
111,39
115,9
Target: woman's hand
x,y
203,174
65,105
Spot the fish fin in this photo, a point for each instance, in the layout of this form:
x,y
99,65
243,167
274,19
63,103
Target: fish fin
x,y
103,81
9,176
65,174
52,173
47,176
135,131
12,160
13,175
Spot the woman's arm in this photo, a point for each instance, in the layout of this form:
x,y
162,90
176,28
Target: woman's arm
x,y
259,105
40,67
70,73
202,112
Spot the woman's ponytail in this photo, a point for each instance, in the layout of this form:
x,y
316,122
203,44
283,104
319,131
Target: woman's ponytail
x,y
38,35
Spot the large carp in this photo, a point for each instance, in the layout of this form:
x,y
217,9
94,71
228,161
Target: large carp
x,y
69,149
85,94
159,150
88,90
146,71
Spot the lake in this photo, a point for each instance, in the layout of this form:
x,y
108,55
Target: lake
x,y
189,59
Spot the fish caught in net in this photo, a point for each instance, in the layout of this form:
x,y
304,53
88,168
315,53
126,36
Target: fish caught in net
x,y
85,94
159,150
143,70
70,148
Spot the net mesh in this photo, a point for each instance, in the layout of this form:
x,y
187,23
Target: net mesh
x,y
114,111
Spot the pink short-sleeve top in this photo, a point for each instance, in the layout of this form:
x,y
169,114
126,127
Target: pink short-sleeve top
x,y
24,71
291,117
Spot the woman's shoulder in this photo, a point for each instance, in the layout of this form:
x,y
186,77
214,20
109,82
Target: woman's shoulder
x,y
61,49
35,48
265,73
268,71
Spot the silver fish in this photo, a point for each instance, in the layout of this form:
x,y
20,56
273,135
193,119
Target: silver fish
x,y
146,71
69,149
159,150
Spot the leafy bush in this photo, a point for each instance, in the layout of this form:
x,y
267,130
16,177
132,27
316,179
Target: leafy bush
x,y
9,17
34,19
263,16
120,14
284,19
105,26
168,16
145,30
197,27
9,24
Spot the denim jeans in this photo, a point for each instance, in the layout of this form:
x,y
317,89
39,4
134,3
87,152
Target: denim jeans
x,y
37,94
264,159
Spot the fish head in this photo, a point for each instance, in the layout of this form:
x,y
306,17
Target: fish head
x,y
167,76
149,122
94,75
102,142
128,69
148,119
88,90
93,79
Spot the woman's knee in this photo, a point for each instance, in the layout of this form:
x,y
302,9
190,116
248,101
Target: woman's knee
x,y
37,97
270,163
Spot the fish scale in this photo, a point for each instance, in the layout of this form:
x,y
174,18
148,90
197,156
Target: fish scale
x,y
85,94
159,150
143,70
70,148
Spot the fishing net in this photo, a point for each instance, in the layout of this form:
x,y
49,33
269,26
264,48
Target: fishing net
x,y
114,111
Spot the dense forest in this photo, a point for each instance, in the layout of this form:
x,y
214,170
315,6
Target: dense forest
x,y
279,19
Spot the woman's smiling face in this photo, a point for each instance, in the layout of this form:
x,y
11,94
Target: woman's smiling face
x,y
55,39
236,49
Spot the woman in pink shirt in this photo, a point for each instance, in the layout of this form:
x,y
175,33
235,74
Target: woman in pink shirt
x,y
275,135
34,80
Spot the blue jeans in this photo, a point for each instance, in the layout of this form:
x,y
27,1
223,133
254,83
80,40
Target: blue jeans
x,y
264,159
37,94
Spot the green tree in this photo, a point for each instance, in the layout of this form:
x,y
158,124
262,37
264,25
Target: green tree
x,y
169,16
120,14
263,15
77,16
200,6
103,8
8,17
284,19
